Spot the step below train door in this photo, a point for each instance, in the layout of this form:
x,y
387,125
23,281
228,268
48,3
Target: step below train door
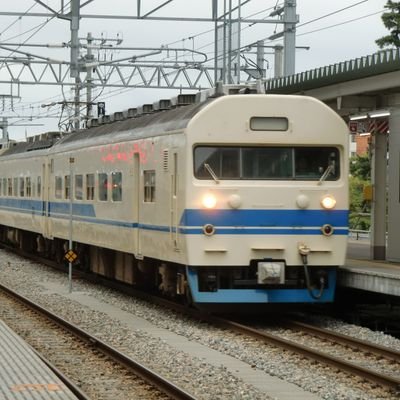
x,y
136,205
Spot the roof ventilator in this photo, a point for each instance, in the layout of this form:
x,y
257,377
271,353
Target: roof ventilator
x,y
162,105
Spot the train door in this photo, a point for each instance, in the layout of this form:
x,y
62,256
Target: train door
x,y
174,221
137,202
47,169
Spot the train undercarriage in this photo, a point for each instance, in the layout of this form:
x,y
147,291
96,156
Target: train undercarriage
x,y
205,286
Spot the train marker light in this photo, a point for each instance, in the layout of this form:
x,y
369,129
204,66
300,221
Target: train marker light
x,y
235,201
208,229
302,201
327,229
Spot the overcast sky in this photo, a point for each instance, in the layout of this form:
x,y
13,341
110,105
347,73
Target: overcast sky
x,y
344,35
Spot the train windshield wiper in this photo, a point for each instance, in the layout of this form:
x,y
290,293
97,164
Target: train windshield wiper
x,y
327,172
211,172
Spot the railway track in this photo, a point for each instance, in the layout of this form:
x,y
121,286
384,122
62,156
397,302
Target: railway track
x,y
352,368
390,380
94,369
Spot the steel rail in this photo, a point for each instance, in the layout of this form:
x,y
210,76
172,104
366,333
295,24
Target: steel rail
x,y
378,350
138,369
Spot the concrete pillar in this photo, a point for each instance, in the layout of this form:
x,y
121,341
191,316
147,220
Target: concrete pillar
x,y
393,244
378,212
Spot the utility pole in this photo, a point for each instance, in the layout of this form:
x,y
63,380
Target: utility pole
x,y
4,128
75,16
278,61
289,20
289,37
260,58
89,60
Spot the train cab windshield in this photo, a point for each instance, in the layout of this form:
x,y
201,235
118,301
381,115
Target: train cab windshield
x,y
267,163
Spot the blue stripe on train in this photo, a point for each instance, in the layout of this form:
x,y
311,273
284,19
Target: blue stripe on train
x,y
264,218
228,222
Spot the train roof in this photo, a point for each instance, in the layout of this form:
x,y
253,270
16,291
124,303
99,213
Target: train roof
x,y
144,125
166,116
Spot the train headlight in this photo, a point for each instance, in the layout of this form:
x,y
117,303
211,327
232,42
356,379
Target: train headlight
x,y
328,202
209,200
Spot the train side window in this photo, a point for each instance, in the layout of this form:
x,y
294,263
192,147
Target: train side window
x,y
116,181
39,186
103,187
9,187
79,187
28,187
21,187
1,187
58,187
4,186
67,185
149,182
15,187
89,186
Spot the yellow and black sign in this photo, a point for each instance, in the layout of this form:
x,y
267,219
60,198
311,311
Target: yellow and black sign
x,y
71,256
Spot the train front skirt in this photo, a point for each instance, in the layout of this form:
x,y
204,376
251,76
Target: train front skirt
x,y
261,295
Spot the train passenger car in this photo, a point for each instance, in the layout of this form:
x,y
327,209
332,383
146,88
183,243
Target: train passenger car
x,y
234,199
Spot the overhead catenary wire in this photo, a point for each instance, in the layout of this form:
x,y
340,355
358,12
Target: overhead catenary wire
x,y
118,91
17,19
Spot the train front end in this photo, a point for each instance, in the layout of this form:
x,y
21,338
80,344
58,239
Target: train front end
x,y
266,208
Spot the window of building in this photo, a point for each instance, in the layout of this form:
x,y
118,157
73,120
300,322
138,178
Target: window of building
x,y
79,187
58,187
149,186
67,185
21,187
103,187
116,179
89,186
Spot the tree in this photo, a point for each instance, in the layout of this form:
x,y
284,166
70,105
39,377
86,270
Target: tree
x,y
360,177
391,20
360,167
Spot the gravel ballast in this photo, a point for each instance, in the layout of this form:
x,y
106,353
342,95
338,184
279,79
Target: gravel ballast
x,y
196,375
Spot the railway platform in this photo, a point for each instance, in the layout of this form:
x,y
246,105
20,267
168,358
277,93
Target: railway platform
x,y
23,374
360,272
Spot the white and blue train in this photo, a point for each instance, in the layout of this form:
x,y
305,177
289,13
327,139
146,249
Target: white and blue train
x,y
220,198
